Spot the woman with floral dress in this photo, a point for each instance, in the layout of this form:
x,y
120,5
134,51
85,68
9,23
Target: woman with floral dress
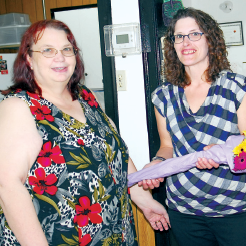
x,y
64,167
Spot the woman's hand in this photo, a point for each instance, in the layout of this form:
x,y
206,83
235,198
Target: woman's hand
x,y
204,163
151,183
154,212
157,215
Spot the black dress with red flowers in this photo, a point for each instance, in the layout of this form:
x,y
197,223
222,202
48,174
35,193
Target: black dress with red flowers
x,y
78,183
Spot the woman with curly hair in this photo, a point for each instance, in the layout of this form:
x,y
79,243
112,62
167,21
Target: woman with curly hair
x,y
201,103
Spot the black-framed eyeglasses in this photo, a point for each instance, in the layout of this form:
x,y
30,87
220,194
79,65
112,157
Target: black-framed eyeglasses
x,y
179,38
51,52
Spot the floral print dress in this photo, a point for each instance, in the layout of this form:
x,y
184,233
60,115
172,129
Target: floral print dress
x,y
78,183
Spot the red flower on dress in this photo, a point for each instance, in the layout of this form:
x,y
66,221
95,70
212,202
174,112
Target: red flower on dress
x,y
33,95
43,183
18,90
85,212
41,112
48,154
80,142
89,97
240,162
84,240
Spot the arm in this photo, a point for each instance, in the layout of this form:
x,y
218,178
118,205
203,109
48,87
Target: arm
x,y
241,115
166,147
153,210
20,144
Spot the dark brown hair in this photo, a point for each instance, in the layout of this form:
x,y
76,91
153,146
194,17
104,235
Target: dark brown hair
x,y
174,70
23,76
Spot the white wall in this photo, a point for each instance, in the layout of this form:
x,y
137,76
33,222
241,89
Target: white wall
x,y
83,22
236,54
131,103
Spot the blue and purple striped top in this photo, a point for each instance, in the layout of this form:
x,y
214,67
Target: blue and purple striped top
x,y
215,192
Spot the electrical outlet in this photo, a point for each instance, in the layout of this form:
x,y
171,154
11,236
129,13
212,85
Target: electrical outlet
x,y
121,80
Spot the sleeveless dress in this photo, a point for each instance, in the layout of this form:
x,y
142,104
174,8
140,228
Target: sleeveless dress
x,y
78,183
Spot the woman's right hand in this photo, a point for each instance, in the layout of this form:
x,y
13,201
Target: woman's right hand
x,y
204,163
151,183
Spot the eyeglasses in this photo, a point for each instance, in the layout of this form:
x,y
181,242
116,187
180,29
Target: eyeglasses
x,y
194,36
51,52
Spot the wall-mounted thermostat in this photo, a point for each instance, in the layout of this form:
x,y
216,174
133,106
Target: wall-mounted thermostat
x,y
122,39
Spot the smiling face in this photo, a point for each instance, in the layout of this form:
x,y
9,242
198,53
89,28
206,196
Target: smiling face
x,y
48,72
191,53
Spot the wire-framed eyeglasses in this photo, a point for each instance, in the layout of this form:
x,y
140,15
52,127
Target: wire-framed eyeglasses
x,y
51,52
179,38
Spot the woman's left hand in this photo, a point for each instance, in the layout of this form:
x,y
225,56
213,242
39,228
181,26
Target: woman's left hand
x,y
204,163
153,211
157,215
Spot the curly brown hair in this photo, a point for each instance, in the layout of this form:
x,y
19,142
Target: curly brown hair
x,y
174,70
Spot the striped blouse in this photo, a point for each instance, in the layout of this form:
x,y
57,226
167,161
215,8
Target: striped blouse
x,y
215,192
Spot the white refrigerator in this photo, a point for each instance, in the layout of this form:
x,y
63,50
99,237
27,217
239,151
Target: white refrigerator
x,y
6,78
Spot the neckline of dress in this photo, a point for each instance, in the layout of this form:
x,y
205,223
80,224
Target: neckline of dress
x,y
80,100
187,106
